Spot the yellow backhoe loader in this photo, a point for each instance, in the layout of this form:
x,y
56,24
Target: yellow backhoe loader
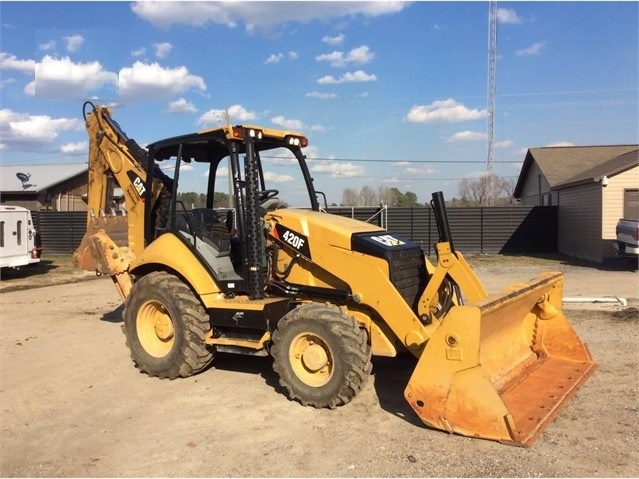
x,y
275,274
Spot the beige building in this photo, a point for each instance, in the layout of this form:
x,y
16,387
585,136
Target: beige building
x,y
592,186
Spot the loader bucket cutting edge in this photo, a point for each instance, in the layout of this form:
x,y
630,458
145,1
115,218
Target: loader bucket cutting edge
x,y
501,369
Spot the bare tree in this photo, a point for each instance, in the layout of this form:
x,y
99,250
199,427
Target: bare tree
x,y
367,196
474,191
384,195
350,197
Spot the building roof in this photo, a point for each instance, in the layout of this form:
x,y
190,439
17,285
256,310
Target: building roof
x,y
608,168
36,178
563,165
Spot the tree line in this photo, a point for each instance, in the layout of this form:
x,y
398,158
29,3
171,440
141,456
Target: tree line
x,y
472,192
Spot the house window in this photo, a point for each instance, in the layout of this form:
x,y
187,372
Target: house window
x,y
631,204
546,199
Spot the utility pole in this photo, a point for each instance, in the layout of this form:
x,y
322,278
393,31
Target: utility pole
x,y
490,110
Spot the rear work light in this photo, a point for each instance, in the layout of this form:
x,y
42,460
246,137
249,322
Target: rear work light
x,y
300,141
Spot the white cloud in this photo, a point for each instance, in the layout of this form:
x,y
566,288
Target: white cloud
x,y
504,144
443,111
425,170
181,106
271,177
62,78
162,49
393,181
467,136
532,50
274,58
236,114
288,124
11,62
24,132
139,52
278,57
321,96
79,148
74,42
359,56
561,143
337,40
506,15
50,45
150,81
256,15
334,58
358,76
338,169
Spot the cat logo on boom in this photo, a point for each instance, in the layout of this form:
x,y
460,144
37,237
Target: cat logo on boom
x,y
137,183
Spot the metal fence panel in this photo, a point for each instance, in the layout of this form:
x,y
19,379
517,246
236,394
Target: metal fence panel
x,y
474,230
60,231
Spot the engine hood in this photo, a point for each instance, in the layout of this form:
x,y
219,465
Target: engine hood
x,y
330,229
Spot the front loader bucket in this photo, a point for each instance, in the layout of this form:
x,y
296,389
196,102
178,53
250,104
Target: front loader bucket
x,y
501,369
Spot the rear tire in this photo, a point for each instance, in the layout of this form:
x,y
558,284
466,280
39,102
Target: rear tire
x,y
321,355
165,327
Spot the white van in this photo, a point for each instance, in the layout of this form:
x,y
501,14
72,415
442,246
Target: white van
x,y
18,243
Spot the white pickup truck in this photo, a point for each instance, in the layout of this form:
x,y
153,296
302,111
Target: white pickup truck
x,y
18,238
627,243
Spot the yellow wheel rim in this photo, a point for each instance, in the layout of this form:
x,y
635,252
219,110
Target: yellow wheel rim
x,y
311,359
155,329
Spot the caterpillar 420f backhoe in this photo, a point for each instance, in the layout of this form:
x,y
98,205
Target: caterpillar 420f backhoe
x,y
319,292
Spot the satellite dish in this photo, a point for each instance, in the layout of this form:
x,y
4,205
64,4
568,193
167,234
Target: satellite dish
x,y
24,177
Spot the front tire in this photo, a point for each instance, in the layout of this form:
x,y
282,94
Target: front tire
x,y
321,355
165,327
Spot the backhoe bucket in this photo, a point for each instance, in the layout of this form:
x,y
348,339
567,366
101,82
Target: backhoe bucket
x,y
104,250
501,369
108,229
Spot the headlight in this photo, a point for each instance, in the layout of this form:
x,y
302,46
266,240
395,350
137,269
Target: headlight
x,y
300,141
255,133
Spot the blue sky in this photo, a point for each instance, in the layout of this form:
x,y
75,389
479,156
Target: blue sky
x,y
389,93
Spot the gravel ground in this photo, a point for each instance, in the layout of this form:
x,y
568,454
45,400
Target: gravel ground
x,y
72,404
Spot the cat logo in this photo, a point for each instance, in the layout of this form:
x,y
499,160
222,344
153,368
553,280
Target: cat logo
x,y
138,184
388,240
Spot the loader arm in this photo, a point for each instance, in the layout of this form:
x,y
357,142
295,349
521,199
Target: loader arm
x,y
112,241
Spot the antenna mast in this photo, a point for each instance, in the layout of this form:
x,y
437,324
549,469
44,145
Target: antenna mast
x,y
490,110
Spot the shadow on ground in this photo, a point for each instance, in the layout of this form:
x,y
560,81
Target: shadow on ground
x,y
42,267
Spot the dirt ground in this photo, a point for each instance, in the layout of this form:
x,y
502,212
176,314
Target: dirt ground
x,y
72,404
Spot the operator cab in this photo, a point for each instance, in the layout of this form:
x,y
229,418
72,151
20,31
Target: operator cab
x,y
220,183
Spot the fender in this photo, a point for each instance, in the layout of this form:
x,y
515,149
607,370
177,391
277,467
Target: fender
x,y
169,252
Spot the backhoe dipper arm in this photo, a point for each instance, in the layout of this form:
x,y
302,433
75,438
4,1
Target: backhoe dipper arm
x,y
111,153
113,241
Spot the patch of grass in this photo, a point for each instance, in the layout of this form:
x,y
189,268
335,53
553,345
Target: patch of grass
x,y
50,270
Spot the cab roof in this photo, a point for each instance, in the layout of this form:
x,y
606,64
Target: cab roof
x,y
210,146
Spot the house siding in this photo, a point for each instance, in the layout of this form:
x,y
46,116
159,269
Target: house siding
x,y
614,198
535,184
580,226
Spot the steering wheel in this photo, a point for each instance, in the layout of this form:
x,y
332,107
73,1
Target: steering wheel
x,y
262,196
